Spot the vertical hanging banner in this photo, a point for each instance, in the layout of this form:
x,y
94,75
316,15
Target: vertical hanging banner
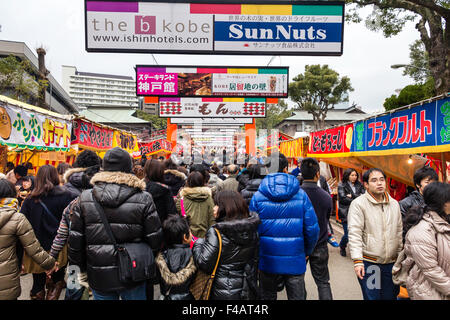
x,y
216,27
183,81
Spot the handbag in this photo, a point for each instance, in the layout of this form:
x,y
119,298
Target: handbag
x,y
202,284
135,260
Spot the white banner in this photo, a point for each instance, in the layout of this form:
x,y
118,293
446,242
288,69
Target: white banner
x,y
34,130
216,27
209,121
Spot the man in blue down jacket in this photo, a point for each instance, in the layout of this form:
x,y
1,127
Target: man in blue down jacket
x,y
288,232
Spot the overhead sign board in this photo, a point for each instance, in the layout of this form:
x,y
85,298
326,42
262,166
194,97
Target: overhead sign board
x,y
186,81
215,27
212,108
210,121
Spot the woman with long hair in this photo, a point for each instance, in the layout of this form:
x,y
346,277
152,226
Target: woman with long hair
x,y
162,196
427,245
256,174
349,189
15,227
236,273
44,208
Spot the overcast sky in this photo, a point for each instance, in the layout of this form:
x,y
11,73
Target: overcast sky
x,y
58,26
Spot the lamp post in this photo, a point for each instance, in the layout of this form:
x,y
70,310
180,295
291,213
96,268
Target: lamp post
x,y
397,66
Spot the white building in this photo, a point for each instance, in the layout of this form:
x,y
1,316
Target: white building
x,y
95,89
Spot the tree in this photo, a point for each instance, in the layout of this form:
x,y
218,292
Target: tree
x,y
419,66
18,80
410,94
318,90
157,122
433,25
275,113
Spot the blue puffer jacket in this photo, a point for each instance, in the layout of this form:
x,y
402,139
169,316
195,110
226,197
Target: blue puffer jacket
x,y
289,229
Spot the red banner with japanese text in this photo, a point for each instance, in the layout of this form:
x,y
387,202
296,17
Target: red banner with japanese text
x,y
331,141
91,136
155,146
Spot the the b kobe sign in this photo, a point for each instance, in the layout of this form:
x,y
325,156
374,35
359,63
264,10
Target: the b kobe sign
x,y
228,27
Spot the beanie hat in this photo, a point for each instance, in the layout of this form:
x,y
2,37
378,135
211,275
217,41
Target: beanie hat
x,y
117,159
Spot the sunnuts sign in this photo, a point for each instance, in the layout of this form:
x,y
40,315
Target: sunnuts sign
x,y
228,27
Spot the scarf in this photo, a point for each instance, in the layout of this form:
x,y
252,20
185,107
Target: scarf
x,y
12,203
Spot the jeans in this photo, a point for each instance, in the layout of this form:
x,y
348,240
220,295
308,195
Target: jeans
x,y
137,293
377,282
295,286
344,240
318,262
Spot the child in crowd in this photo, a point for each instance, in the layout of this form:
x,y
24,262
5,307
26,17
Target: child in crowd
x,y
176,264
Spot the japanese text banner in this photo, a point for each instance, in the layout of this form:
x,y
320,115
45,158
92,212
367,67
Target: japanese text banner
x,y
126,141
331,141
33,130
150,148
209,108
91,136
422,127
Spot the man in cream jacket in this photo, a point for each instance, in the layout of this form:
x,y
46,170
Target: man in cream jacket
x,y
375,237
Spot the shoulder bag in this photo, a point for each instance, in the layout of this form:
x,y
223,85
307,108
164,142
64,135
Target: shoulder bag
x,y
202,284
135,260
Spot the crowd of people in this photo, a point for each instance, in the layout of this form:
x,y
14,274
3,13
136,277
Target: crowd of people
x,y
256,226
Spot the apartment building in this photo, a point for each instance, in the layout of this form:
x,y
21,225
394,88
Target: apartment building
x,y
99,90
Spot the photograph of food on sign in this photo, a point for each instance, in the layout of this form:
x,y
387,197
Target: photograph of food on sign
x,y
194,84
215,81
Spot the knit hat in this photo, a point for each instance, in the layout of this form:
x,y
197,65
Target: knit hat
x,y
117,159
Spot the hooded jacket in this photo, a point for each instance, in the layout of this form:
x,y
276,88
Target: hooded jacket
x,y
74,181
427,249
175,180
344,202
199,208
14,226
414,199
374,229
163,199
132,216
177,268
236,273
250,189
289,229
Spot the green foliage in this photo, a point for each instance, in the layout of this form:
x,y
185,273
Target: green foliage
x,y
275,113
17,80
318,90
410,94
157,122
419,66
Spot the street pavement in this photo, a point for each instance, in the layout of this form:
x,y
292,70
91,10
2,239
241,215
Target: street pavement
x,y
344,285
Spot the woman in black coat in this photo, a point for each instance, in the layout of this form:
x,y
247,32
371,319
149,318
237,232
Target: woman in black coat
x,y
348,190
162,196
173,178
236,274
255,175
44,208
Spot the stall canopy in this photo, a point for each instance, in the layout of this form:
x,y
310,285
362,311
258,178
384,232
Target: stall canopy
x,y
23,126
397,141
292,148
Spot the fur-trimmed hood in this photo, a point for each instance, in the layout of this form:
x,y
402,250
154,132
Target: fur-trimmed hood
x,y
112,189
240,231
199,194
178,278
176,173
70,172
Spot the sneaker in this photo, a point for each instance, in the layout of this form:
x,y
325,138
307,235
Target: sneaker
x,y
343,252
333,242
